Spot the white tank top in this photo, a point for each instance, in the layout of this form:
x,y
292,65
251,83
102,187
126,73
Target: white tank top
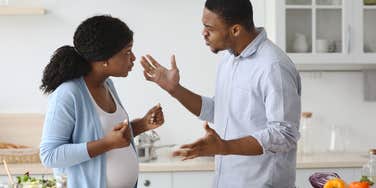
x,y
122,164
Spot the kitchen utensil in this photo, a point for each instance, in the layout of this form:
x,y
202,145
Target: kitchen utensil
x,y
146,149
300,44
8,172
322,45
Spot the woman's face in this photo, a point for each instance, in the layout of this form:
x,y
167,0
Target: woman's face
x,y
121,63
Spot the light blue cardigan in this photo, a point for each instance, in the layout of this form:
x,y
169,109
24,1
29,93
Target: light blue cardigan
x,y
71,121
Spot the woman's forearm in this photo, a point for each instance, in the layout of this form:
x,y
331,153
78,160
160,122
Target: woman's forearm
x,y
97,147
138,126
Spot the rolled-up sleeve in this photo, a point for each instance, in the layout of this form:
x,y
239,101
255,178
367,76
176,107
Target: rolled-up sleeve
x,y
207,109
281,94
56,148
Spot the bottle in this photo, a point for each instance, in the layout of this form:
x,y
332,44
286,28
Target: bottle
x,y
303,143
372,165
369,169
339,138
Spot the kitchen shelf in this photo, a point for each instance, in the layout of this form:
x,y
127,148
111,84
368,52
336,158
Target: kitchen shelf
x,y
10,11
329,7
298,6
316,6
340,67
370,7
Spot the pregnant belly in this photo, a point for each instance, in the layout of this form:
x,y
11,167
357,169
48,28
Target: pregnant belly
x,y
122,168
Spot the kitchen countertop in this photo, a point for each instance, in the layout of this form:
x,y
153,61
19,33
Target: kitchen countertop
x,y
166,163
332,160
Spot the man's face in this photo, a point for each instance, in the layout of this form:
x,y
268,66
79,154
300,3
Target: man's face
x,y
215,32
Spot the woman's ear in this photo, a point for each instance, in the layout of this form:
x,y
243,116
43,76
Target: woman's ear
x,y
105,64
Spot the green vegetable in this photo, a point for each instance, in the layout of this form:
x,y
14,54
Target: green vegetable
x,y
26,179
365,178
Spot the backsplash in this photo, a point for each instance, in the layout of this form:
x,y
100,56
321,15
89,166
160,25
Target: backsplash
x,y
337,99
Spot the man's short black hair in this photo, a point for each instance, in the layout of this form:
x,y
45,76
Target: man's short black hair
x,y
233,11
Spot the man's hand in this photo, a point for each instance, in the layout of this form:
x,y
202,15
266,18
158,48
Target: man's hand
x,y
167,79
211,144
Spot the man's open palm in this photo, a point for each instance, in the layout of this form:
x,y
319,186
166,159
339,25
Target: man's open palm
x,y
168,79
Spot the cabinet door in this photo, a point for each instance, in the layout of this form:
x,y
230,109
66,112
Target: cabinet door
x,y
348,174
369,27
338,33
313,26
192,179
154,180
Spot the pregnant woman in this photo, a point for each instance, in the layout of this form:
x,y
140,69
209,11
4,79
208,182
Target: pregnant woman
x,y
87,134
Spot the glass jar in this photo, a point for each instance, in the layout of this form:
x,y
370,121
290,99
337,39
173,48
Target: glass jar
x,y
8,185
303,143
369,169
61,181
339,138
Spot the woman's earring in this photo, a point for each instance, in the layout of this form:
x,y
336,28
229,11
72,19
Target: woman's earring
x,y
105,64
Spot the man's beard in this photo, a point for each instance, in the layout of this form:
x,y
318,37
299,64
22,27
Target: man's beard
x,y
215,50
226,40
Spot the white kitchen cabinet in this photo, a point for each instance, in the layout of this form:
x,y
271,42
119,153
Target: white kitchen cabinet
x,y
187,179
192,179
155,180
348,174
9,11
331,33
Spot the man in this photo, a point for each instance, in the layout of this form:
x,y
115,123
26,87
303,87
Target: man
x,y
256,108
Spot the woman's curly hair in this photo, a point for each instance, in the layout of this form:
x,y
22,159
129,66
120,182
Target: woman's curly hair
x,y
96,39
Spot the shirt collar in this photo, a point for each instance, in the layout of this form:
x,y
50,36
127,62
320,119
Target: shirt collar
x,y
254,45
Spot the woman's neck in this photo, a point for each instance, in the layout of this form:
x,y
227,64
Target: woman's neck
x,y
95,80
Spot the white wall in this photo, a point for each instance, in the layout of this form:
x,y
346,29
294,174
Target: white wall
x,y
336,98
161,28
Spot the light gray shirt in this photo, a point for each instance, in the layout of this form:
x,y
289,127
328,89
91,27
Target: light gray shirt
x,y
257,94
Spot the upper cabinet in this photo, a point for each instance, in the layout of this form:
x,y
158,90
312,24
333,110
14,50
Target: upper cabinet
x,y
10,11
21,7
334,34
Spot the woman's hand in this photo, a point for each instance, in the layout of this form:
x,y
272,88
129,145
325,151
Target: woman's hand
x,y
153,118
119,137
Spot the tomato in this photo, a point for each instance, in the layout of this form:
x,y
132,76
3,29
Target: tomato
x,y
335,183
359,184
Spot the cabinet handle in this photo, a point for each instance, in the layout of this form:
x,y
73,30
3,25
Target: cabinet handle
x,y
147,183
348,42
